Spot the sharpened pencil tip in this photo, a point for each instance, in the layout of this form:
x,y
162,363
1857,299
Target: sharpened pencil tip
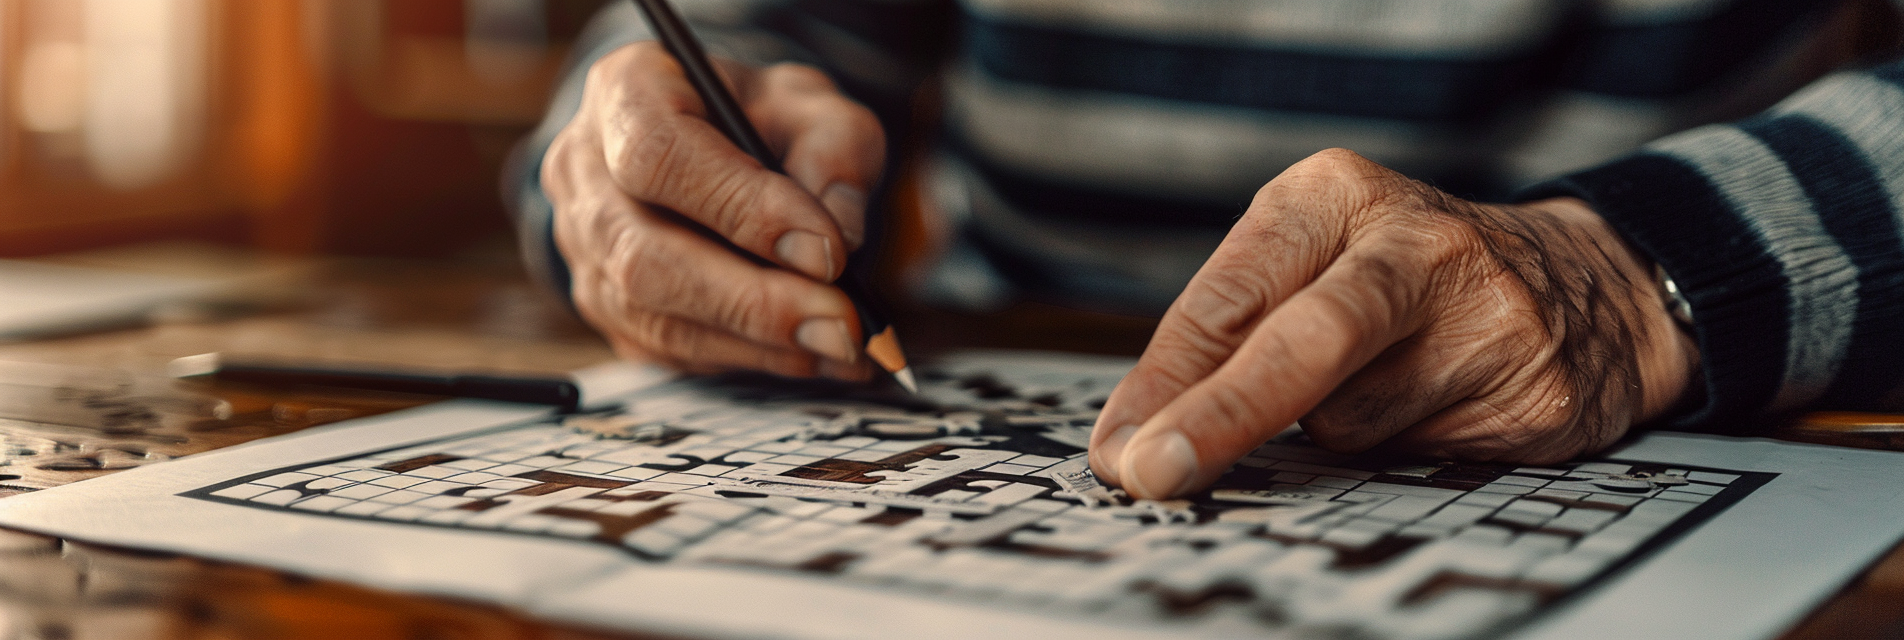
x,y
884,349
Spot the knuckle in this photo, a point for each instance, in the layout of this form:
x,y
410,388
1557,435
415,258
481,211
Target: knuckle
x,y
629,74
666,334
1455,238
1341,162
865,126
1385,286
1235,418
1339,155
1338,183
1304,196
843,137
587,231
1223,305
611,67
559,164
1264,225
1382,270
1298,183
734,205
648,270
1333,164
1167,377
797,78
652,158
1438,241
1361,311
1196,345
745,310
647,54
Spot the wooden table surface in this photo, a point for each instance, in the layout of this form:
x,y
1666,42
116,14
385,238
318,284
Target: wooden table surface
x,y
81,406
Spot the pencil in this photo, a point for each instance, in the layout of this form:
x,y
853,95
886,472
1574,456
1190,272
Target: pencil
x,y
882,343
560,392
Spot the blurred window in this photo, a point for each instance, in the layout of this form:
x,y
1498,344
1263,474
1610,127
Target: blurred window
x,y
116,85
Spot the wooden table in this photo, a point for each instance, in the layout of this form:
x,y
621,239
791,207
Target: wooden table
x,y
82,406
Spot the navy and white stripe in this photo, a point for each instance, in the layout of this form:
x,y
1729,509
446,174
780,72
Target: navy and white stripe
x,y
1110,108
1784,231
1154,147
1755,183
1092,151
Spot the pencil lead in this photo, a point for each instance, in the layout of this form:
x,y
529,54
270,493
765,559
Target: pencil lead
x,y
883,347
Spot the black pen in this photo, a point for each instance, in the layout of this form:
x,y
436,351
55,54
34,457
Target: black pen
x,y
882,344
559,392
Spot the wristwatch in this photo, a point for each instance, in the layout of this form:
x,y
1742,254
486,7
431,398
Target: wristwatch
x,y
1673,298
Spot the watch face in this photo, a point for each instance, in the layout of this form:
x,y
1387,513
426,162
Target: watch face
x,y
1675,300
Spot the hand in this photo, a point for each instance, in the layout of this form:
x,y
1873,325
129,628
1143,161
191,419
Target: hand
x,y
640,159
1381,311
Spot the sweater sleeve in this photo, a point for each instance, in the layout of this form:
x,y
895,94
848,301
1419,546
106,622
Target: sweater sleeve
x,y
877,50
1783,232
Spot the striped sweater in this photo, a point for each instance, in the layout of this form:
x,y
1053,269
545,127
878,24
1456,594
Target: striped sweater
x,y
1093,152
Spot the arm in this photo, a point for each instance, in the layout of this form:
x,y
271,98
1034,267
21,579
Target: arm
x,y
593,189
1382,312
1784,232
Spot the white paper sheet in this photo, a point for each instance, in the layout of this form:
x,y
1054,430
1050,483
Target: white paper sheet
x,y
38,299
1748,572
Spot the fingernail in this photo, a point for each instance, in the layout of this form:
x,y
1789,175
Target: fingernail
x,y
1110,453
1159,467
827,338
809,252
848,205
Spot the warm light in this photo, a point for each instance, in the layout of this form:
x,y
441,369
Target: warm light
x,y
145,97
51,97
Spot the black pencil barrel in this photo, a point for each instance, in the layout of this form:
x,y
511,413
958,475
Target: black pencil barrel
x,y
550,391
722,108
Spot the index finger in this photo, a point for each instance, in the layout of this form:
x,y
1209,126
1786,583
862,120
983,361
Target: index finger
x,y
1366,301
661,150
1267,257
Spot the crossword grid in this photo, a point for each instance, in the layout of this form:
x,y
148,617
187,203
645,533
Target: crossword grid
x,y
980,491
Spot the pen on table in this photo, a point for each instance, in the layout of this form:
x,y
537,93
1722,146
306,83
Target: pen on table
x,y
551,391
882,344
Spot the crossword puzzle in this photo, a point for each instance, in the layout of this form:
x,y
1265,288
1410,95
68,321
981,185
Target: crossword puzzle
x,y
978,489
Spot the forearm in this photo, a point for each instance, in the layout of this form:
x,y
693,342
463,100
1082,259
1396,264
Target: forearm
x,y
1783,232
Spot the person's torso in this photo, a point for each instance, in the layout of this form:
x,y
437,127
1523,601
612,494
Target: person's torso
x,y
1094,151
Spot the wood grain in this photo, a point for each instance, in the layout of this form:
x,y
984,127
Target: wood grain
x,y
83,406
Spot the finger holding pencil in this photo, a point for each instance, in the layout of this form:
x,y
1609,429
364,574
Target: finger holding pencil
x,y
882,342
692,243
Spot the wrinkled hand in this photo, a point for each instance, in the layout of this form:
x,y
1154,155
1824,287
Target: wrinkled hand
x,y
1381,311
639,158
